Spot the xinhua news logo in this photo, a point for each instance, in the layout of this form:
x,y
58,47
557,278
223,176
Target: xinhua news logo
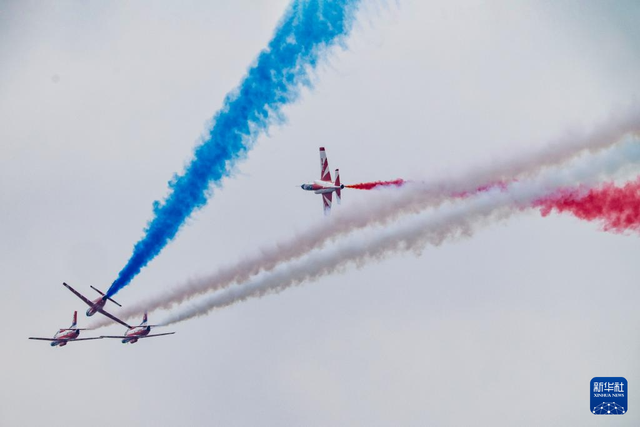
x,y
609,395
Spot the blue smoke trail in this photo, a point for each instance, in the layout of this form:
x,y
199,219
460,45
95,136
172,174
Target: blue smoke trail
x,y
307,30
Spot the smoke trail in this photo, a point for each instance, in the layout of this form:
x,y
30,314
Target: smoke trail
x,y
400,182
307,30
617,207
376,184
389,204
459,218
312,238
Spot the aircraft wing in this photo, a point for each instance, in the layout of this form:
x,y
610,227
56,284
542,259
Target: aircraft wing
x,y
325,173
114,318
62,339
79,295
145,336
326,202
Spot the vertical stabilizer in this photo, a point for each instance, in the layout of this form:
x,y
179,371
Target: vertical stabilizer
x,y
75,320
144,319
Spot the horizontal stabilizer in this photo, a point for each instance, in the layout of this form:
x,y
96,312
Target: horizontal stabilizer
x,y
110,299
339,185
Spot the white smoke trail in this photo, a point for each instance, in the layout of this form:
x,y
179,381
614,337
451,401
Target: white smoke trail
x,y
451,220
388,206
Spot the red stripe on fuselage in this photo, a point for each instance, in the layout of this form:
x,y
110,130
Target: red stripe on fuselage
x,y
68,335
137,332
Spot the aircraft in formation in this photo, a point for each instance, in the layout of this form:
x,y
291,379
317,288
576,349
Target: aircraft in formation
x,y
132,335
97,305
67,335
325,186
70,334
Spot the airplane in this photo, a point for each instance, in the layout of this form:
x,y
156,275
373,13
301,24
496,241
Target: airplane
x,y
64,336
97,305
324,185
133,334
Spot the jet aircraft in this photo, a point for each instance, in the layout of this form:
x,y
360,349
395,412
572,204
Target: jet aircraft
x,y
324,186
64,336
97,305
133,334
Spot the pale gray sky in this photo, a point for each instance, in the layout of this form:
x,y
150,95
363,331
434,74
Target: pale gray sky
x,y
101,103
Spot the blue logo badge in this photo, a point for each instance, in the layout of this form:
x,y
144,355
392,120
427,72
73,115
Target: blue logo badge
x,y
609,395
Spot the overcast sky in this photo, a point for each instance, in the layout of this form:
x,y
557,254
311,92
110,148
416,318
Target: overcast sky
x,y
102,102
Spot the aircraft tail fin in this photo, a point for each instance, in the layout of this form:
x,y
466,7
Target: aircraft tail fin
x,y
144,319
75,320
337,183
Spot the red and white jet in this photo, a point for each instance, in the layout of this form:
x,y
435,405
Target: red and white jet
x,y
133,334
97,305
324,185
64,336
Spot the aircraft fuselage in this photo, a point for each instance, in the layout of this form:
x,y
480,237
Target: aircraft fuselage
x,y
320,187
134,333
64,335
98,304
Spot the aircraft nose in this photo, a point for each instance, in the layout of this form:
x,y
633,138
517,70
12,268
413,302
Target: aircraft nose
x,y
302,186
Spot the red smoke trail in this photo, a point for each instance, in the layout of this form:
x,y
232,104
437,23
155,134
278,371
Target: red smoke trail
x,y
400,182
618,207
372,185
